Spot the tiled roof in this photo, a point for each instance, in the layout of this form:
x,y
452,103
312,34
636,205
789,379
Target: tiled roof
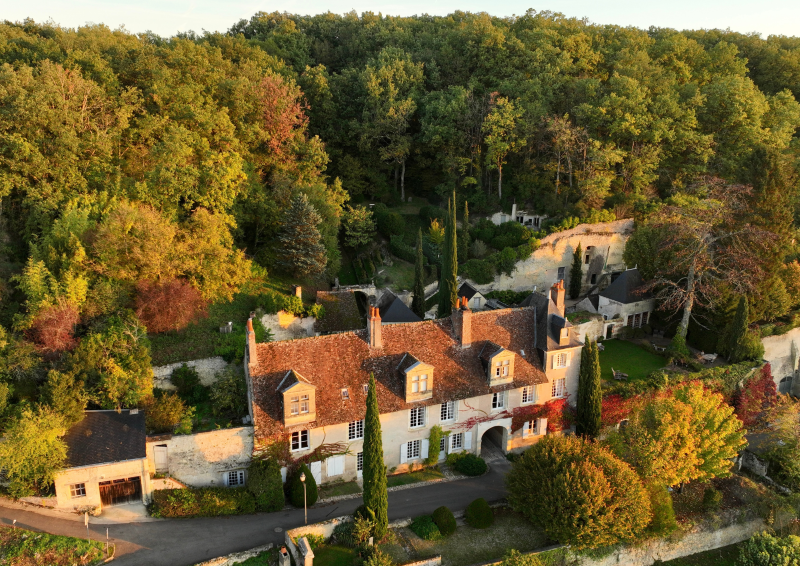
x,y
103,437
393,309
341,312
547,315
345,360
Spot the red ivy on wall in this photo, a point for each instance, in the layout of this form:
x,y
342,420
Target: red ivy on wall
x,y
757,397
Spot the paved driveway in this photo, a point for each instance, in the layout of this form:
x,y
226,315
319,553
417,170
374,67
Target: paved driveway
x,y
183,542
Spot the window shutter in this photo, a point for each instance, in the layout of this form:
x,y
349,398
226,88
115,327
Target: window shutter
x,y
425,446
468,440
554,360
225,478
568,358
455,411
404,452
541,426
330,466
283,474
526,429
340,466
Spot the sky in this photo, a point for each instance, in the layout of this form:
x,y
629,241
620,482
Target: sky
x,y
167,17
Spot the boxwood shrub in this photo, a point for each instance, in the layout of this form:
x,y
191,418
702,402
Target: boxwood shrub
x,y
467,463
265,483
479,514
296,488
445,521
425,528
202,502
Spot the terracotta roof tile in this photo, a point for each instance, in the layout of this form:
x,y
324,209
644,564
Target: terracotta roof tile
x,y
336,361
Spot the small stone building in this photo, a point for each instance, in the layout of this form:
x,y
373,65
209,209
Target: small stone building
x,y
623,300
107,461
475,298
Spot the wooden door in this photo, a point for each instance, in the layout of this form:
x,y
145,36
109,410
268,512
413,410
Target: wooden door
x,y
117,492
160,456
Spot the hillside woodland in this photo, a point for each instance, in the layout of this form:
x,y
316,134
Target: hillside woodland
x,y
145,180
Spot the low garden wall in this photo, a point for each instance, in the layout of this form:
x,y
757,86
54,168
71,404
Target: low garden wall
x,y
236,558
207,369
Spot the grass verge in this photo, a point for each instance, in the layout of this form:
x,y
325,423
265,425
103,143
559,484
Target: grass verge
x,y
629,358
427,474
266,558
725,556
334,556
343,488
21,547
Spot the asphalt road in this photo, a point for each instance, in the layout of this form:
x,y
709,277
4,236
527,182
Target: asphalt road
x,y
183,542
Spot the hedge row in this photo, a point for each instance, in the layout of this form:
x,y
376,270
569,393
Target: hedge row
x,y
202,502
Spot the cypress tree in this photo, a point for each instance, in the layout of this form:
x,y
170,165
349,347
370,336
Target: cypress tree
x,y
590,395
448,284
375,494
737,332
418,303
300,249
576,273
463,236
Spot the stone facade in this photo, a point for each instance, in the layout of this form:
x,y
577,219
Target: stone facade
x,y
91,476
207,369
204,458
602,243
782,352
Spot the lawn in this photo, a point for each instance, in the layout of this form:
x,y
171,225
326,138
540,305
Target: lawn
x,y
332,555
399,276
427,474
725,556
629,358
340,488
20,547
266,558
470,546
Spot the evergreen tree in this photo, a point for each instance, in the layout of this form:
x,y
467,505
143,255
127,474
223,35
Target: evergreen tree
x,y
418,303
590,395
375,494
463,236
300,248
448,284
737,333
576,273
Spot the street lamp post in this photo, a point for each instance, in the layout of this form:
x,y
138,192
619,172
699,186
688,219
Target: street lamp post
x,y
305,500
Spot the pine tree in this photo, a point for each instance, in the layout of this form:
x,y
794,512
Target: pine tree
x,y
590,395
418,303
576,273
737,332
300,248
448,284
375,493
463,236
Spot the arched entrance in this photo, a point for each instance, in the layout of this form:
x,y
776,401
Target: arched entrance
x,y
494,443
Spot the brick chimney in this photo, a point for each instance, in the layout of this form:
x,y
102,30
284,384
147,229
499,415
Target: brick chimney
x,y
557,293
462,323
374,328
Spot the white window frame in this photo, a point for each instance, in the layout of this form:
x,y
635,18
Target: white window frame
x,y
419,383
77,490
366,388
414,449
416,417
294,405
443,444
498,401
560,360
304,403
360,462
234,478
457,441
447,411
559,388
528,394
302,442
355,430
345,393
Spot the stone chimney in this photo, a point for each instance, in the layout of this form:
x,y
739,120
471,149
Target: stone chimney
x,y
374,328
462,323
514,211
557,294
252,355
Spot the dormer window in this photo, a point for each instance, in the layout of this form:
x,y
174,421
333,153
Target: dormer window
x,y
501,368
418,377
419,383
345,394
298,399
498,363
366,388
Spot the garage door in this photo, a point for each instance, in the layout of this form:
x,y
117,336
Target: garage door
x,y
117,492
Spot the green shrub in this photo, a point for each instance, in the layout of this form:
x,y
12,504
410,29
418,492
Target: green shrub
x,y
229,394
712,499
763,549
477,250
480,271
444,520
296,487
390,224
364,512
265,483
663,521
425,528
402,250
467,463
343,534
315,541
509,297
378,558
202,502
479,515
185,379
428,213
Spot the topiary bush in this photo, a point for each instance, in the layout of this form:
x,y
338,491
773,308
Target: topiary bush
x,y
479,514
444,520
425,528
467,463
265,483
296,487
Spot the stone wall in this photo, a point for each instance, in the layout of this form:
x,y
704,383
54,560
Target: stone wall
x,y
201,459
782,352
236,557
286,326
607,241
207,369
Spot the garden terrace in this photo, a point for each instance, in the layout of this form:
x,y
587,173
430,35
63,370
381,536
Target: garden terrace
x,y
629,358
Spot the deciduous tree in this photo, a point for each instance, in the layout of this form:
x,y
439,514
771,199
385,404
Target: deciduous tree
x,y
168,305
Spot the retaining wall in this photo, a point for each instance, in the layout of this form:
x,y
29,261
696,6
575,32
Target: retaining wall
x,y
207,369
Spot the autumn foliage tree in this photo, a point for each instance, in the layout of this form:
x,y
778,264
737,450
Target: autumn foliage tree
x,y
169,305
53,328
756,397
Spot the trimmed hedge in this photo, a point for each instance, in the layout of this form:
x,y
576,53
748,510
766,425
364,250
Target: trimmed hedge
x,y
402,250
202,502
425,528
296,487
390,224
479,514
265,483
444,520
467,463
